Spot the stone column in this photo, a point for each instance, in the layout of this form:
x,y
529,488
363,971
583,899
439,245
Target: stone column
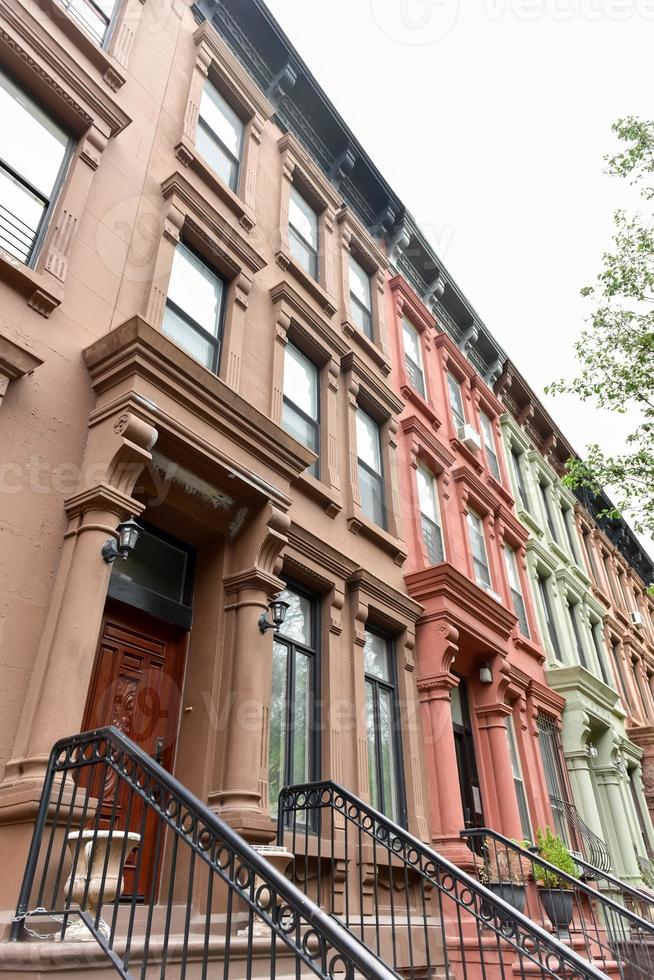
x,y
622,846
436,644
494,755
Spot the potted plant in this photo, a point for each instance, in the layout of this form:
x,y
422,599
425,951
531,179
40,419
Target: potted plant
x,y
555,892
503,872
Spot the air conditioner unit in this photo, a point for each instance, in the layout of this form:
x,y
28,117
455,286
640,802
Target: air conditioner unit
x,y
636,619
469,437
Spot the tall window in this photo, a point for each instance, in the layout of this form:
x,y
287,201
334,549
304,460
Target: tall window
x,y
568,524
371,470
33,153
413,357
592,565
219,135
456,402
544,494
489,445
596,630
360,297
518,780
635,666
552,756
521,487
293,725
619,672
516,591
576,632
93,15
478,548
194,307
303,232
548,614
384,770
429,515
300,411
610,580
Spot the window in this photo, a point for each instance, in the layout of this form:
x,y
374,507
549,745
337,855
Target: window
x,y
193,314
568,523
293,722
609,579
596,630
478,548
548,614
518,781
576,632
516,592
617,667
219,136
644,822
360,298
544,493
592,567
489,445
300,410
371,473
429,515
384,773
413,357
456,402
519,479
552,756
93,15
635,666
303,233
33,154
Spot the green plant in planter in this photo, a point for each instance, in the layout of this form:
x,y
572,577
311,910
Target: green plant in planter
x,y
551,848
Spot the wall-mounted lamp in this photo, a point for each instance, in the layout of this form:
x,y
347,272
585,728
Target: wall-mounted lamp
x,y
592,750
486,674
128,535
278,614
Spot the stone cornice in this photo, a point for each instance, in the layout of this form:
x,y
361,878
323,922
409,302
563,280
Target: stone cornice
x,y
375,388
461,596
414,427
577,682
321,553
136,350
364,242
177,189
378,591
419,315
291,302
87,100
545,697
246,93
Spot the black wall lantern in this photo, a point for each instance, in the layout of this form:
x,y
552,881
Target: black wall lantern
x,y
128,535
278,613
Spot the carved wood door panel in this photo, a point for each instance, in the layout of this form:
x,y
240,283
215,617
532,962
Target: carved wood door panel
x,y
136,686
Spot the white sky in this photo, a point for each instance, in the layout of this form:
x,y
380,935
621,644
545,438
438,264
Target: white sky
x,y
491,119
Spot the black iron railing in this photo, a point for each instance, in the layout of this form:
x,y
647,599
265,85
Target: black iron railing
x,y
636,899
417,911
592,848
124,855
603,929
91,16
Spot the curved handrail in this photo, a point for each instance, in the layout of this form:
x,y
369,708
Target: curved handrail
x,y
574,883
173,803
525,937
623,886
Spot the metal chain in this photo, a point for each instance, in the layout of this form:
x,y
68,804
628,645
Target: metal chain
x,y
32,932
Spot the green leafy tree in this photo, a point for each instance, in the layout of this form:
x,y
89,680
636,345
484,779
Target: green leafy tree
x,y
616,349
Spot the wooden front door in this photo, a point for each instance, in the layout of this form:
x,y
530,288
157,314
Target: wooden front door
x,y
136,686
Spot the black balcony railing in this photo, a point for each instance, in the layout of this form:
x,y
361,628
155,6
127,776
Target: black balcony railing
x,y
124,855
89,15
415,910
603,929
580,837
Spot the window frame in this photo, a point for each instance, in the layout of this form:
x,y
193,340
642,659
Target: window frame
x,y
380,477
548,615
104,42
471,514
414,370
433,484
216,341
50,203
391,687
521,485
518,778
315,468
576,632
519,607
454,415
201,124
356,302
554,766
316,667
314,251
544,487
596,633
488,435
567,516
